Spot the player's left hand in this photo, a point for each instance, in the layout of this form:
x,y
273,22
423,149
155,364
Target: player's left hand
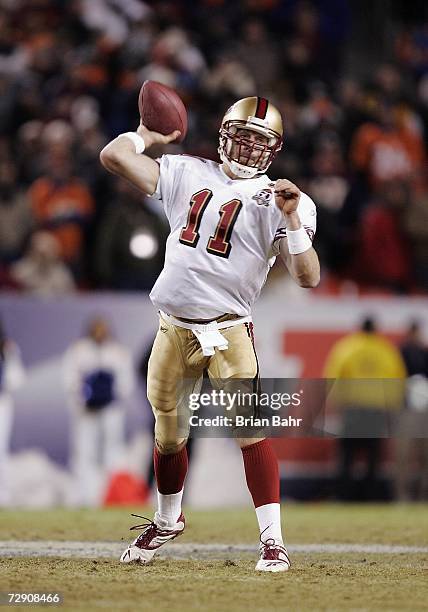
x,y
287,196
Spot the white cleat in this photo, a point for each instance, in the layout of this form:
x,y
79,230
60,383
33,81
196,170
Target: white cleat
x,y
273,557
155,534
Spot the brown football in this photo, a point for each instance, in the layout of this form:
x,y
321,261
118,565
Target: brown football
x,y
161,109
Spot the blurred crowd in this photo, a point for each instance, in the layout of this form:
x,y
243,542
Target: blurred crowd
x,y
350,79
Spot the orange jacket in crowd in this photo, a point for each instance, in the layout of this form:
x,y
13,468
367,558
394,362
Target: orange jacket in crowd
x,y
386,154
62,210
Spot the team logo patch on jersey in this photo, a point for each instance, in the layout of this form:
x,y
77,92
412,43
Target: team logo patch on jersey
x,y
310,232
263,197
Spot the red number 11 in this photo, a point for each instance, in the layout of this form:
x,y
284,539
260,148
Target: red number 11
x,y
219,243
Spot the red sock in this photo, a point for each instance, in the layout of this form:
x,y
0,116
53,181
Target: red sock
x,y
261,472
170,471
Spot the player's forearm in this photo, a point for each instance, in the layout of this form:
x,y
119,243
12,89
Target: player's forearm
x,y
119,157
305,268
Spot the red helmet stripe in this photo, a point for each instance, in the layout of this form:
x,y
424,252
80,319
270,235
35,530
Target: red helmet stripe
x,y
262,106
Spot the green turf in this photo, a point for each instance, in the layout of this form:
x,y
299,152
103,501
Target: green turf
x,y
330,582
311,523
324,582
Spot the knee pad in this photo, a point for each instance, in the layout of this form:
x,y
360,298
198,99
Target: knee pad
x,y
170,447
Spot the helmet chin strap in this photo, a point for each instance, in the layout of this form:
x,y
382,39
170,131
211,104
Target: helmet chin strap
x,y
239,170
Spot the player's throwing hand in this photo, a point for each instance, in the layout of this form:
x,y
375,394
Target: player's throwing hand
x,y
287,196
151,138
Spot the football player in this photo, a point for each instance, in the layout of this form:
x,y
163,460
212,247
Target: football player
x,y
228,223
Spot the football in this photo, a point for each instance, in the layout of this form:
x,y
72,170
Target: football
x,y
161,109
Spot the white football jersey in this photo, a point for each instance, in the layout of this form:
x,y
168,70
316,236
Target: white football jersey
x,y
223,241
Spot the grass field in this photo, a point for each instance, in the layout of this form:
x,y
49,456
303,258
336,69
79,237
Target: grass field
x,y
317,581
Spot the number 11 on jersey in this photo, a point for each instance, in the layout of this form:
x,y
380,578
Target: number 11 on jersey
x,y
219,243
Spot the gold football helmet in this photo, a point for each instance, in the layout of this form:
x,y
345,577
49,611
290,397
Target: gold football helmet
x,y
247,156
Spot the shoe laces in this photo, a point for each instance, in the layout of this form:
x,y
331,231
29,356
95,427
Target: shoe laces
x,y
271,550
148,522
150,530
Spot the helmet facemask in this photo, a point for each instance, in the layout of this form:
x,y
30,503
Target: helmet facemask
x,y
246,157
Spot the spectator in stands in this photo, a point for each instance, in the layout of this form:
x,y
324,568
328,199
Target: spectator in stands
x,y
383,149
13,54
174,60
62,205
362,363
259,54
11,378
390,83
302,48
229,77
415,224
383,253
98,377
328,185
41,271
351,100
29,156
16,220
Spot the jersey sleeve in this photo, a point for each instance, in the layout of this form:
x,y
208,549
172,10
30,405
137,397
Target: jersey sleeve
x,y
170,171
308,218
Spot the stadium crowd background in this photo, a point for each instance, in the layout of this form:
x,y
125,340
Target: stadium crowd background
x,y
351,79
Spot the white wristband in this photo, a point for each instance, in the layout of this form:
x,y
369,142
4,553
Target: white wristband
x,y
138,141
298,241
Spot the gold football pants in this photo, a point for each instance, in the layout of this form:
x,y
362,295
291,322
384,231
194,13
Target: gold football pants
x,y
176,369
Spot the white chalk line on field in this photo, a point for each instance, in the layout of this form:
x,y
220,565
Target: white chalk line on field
x,y
113,550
